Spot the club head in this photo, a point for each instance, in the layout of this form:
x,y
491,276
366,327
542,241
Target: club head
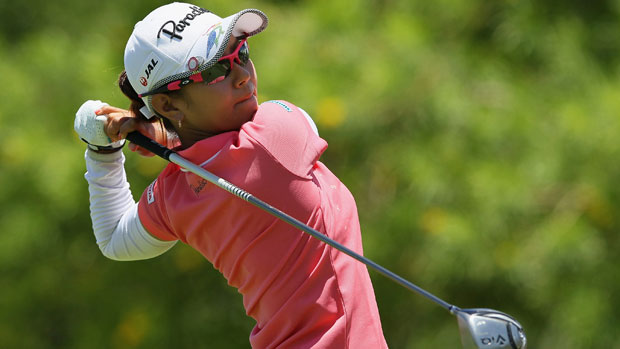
x,y
489,329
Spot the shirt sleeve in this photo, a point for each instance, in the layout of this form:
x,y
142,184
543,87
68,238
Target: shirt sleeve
x,y
153,210
116,225
288,135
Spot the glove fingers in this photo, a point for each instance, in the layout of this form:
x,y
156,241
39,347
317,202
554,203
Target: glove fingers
x,y
89,126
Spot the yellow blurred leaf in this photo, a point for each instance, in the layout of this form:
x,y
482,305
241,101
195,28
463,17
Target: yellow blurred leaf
x,y
330,112
433,220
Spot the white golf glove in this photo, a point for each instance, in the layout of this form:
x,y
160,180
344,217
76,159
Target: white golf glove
x,y
90,127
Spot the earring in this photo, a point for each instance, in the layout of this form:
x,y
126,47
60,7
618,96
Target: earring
x,y
180,124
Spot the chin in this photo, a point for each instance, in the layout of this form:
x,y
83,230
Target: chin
x,y
248,108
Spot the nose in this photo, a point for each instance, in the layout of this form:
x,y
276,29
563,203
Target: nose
x,y
241,74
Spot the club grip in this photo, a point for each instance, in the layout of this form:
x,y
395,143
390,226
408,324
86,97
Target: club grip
x,y
150,145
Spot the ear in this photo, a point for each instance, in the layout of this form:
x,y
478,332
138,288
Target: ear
x,y
165,106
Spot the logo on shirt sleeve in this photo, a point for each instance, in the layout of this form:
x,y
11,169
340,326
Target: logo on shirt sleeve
x,y
150,196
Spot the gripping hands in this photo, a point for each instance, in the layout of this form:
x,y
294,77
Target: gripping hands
x,y
91,127
104,128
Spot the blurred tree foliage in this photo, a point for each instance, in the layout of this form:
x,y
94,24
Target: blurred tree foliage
x,y
480,139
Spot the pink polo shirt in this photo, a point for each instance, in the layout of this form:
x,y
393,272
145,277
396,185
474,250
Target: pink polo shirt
x,y
301,292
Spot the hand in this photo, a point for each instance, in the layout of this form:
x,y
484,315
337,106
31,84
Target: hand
x,y
90,126
105,128
157,132
120,122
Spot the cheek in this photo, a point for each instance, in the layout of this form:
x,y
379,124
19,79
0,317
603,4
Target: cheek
x,y
212,98
252,70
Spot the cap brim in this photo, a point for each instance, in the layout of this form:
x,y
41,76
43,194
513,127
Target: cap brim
x,y
248,23
245,23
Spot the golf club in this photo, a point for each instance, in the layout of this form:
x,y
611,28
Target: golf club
x,y
479,327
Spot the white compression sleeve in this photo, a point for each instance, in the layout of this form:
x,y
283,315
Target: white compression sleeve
x,y
114,213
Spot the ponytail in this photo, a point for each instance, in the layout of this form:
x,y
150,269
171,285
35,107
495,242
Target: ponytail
x,y
127,89
137,103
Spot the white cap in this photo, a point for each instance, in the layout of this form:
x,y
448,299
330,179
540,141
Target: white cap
x,y
179,39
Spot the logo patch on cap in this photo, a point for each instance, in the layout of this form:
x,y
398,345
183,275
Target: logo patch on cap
x,y
194,62
149,67
213,38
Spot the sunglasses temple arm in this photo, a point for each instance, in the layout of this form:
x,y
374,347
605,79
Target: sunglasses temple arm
x,y
175,85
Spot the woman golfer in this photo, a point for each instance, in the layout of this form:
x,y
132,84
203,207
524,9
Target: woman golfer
x,y
189,71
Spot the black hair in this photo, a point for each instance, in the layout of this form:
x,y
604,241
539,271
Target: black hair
x,y
137,103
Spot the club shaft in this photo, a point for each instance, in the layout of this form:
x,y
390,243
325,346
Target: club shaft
x,y
173,157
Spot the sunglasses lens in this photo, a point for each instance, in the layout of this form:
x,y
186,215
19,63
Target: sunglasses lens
x,y
219,69
244,53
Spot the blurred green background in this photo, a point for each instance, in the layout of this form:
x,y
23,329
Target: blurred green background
x,y
480,139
